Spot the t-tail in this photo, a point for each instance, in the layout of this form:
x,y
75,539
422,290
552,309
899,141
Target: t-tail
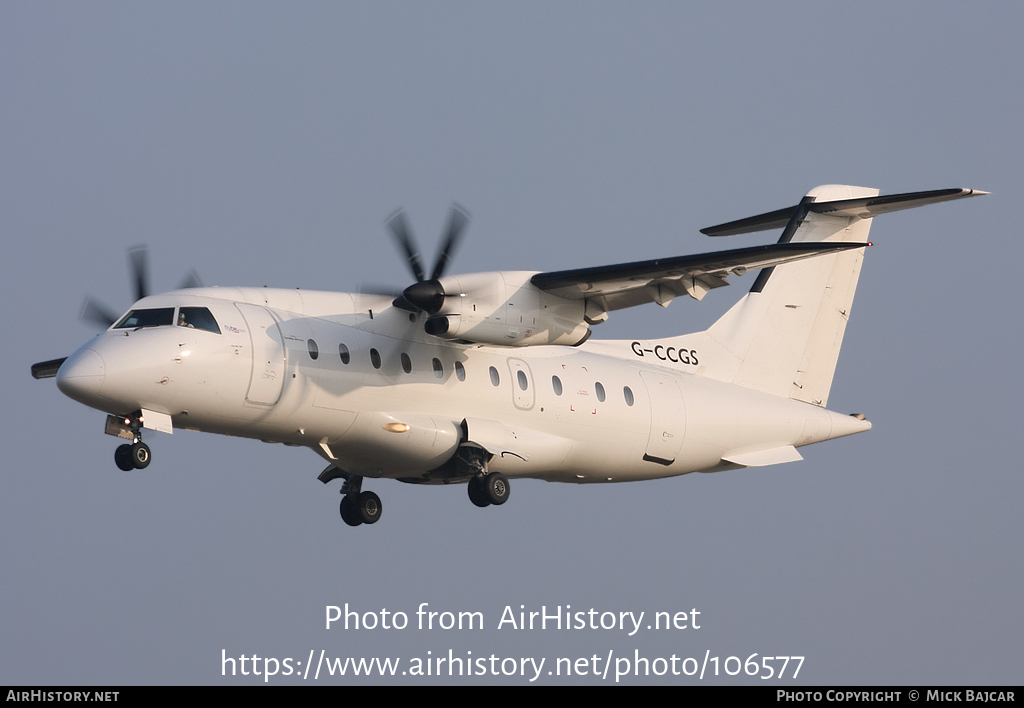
x,y
784,336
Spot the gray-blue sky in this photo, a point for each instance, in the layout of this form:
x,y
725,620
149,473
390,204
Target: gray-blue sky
x,y
265,143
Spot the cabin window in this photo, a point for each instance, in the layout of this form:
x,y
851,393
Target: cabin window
x,y
157,317
314,351
375,358
438,368
343,352
627,393
406,363
460,371
556,384
197,318
599,389
495,379
521,378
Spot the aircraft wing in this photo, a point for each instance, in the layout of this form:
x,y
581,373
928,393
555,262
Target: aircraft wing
x,y
615,287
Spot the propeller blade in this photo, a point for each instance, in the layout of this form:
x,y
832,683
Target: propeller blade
x,y
376,289
96,312
379,289
138,262
402,304
47,369
191,280
403,237
457,222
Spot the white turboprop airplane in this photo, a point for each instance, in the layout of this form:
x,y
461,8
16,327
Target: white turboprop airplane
x,y
484,377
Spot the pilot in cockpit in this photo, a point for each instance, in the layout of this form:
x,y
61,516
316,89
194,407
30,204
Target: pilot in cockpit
x,y
182,322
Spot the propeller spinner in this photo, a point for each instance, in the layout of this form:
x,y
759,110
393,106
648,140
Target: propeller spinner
x,y
426,295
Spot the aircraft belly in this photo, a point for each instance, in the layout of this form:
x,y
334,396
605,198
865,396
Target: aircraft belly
x,y
518,450
396,444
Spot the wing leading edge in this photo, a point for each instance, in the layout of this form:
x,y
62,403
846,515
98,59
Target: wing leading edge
x,y
615,287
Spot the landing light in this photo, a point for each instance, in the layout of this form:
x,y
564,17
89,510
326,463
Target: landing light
x,y
396,427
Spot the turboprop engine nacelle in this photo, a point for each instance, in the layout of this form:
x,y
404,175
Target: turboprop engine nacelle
x,y
504,308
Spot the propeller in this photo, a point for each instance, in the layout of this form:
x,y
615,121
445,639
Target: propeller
x,y
426,295
138,270
138,263
96,312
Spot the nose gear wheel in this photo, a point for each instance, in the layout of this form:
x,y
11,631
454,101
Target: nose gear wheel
x,y
123,459
134,456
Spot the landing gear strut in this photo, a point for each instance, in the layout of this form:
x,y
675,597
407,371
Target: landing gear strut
x,y
136,456
484,488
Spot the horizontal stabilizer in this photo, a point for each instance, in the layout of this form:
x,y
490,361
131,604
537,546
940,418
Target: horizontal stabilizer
x,y
763,458
863,208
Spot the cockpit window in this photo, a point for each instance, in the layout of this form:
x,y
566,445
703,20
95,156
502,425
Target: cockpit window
x,y
156,317
197,318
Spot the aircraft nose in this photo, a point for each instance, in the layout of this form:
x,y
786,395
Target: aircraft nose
x,y
81,376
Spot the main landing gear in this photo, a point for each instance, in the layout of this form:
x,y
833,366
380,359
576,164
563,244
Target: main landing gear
x,y
484,488
358,507
362,508
488,489
135,456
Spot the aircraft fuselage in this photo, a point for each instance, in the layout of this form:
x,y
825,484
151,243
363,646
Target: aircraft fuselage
x,y
357,381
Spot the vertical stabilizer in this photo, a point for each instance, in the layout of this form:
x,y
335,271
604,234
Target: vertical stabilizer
x,y
784,335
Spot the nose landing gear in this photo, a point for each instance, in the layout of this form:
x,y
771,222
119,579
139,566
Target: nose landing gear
x,y
135,456
360,507
132,457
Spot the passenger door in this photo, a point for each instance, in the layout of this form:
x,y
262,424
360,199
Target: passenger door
x,y
668,418
268,359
